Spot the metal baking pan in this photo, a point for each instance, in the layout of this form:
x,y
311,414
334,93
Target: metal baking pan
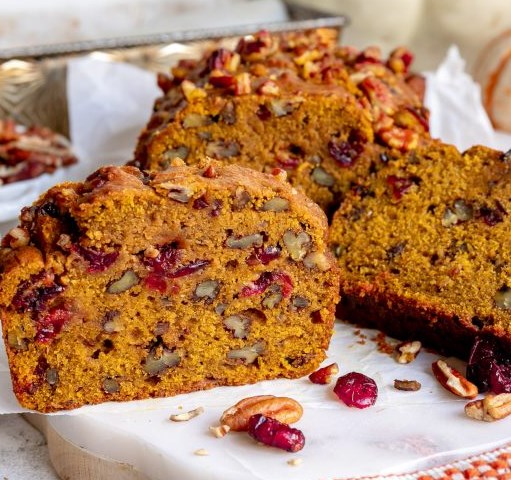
x,y
33,79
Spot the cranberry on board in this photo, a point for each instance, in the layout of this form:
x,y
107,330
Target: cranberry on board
x,y
273,433
356,390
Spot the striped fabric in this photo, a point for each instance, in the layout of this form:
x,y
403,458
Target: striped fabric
x,y
495,465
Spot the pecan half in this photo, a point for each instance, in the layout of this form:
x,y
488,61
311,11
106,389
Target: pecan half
x,y
453,380
283,409
490,408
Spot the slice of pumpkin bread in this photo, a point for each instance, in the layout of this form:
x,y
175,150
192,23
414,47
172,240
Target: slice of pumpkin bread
x,y
130,286
424,248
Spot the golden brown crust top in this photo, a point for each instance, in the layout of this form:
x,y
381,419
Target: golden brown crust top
x,y
273,66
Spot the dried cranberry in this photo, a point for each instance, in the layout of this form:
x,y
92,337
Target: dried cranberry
x,y
164,265
41,367
39,374
97,179
50,324
219,59
98,261
365,57
164,82
256,44
481,358
489,367
500,378
287,162
32,295
273,433
361,191
400,185
356,390
346,153
166,260
263,255
156,282
216,208
189,269
407,58
266,279
263,113
200,203
492,216
49,209
402,54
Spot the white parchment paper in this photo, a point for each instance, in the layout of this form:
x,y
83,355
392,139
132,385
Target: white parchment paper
x,y
109,104
454,99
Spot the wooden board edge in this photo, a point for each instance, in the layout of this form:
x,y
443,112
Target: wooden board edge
x,y
72,462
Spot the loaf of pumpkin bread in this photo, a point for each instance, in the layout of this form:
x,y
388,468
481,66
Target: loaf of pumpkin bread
x,y
129,286
296,101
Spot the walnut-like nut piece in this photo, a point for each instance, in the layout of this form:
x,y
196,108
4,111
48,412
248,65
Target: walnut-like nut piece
x,y
127,280
407,385
185,416
322,177
297,244
244,242
201,452
193,120
490,408
16,342
239,325
282,107
407,352
219,431
476,411
110,385
324,375
178,152
269,87
222,149
276,204
17,237
241,198
498,406
248,354
317,260
177,192
283,409
453,380
207,290
242,85
400,138
191,91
